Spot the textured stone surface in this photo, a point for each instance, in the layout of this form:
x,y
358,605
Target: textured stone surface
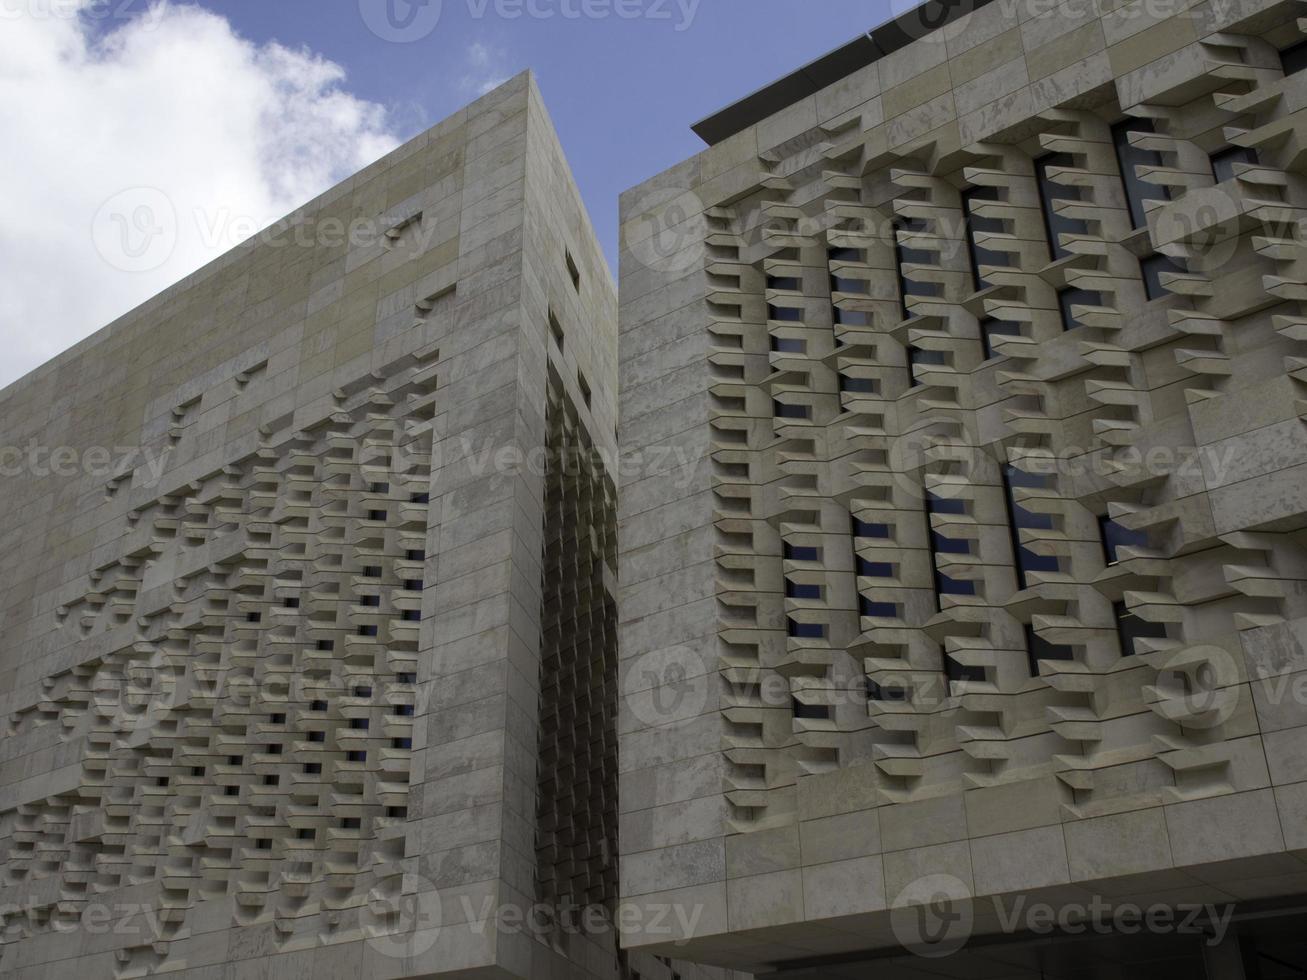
x,y
320,681
841,613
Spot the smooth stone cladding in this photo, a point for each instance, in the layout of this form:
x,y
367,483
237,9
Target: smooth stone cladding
x,y
966,556
305,684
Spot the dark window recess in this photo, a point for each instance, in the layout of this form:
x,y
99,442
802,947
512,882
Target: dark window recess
x,y
370,600
161,781
1069,296
359,724
788,314
556,329
317,705
858,385
317,736
274,749
278,719
877,693
1129,157
868,529
401,743
1293,59
875,569
312,768
838,284
263,844
991,328
420,498
306,833
953,586
807,631
404,710
1038,649
784,282
231,791
405,678
842,254
1223,161
789,345
1116,536
197,770
397,811
416,554
350,823
371,571
945,505
376,515
379,488
363,691
271,780
291,603
411,615
949,546
1057,225
802,710
941,545
802,590
573,272
800,552
955,671
850,318
1151,268
253,617
235,760
915,287
367,631
413,584
1130,628
356,755
929,358
586,394
1019,517
978,224
784,411
877,610
326,644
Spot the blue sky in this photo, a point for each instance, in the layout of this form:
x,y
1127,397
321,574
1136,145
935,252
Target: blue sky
x,y
623,91
147,137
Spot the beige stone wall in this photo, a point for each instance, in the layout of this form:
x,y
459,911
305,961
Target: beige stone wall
x,y
272,649
797,788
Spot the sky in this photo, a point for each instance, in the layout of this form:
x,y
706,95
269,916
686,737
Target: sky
x,y
144,139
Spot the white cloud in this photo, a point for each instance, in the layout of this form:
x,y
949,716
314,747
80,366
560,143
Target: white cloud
x,y
170,110
485,70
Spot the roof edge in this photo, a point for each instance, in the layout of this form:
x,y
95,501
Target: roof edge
x,y
891,36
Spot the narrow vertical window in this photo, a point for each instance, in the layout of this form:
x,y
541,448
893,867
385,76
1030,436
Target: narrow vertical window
x,y
1128,157
1025,560
1050,191
979,224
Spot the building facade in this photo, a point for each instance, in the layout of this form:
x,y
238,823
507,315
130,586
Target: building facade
x,y
309,658
964,580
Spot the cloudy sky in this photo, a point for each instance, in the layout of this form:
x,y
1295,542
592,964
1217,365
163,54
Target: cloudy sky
x,y
211,120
